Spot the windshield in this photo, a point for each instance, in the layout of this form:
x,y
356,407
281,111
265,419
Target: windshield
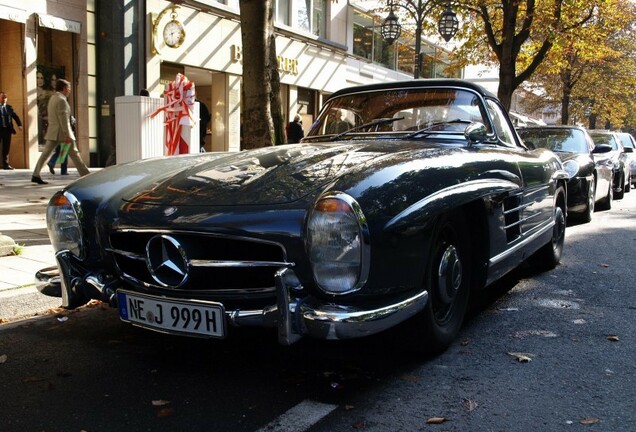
x,y
401,110
626,140
559,140
604,138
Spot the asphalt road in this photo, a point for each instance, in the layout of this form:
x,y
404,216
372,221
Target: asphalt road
x,y
574,328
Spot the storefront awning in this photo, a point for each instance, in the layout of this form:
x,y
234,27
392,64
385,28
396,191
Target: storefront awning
x,y
13,14
62,24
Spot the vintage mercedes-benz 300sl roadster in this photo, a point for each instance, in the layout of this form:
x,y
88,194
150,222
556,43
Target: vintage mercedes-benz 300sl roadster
x,y
404,199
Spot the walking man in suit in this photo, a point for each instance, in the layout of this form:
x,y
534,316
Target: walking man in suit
x,y
7,116
59,131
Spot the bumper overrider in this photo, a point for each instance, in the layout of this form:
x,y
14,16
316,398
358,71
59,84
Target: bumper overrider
x,y
293,316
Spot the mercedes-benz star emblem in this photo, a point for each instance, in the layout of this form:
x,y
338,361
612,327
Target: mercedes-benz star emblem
x,y
167,261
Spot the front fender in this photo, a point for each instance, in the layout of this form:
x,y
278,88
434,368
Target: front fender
x,y
425,210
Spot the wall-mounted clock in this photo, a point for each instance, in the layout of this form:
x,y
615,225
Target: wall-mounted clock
x,y
173,33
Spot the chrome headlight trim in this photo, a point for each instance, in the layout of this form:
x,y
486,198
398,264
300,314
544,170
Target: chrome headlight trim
x,y
362,241
571,167
64,218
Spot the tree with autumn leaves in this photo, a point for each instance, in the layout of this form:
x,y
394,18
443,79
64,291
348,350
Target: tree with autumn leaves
x,y
580,52
592,73
569,47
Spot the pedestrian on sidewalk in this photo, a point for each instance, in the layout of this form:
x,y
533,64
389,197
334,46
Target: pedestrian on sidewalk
x,y
7,117
59,131
295,130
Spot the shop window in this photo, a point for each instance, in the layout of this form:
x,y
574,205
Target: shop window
x,y
281,11
368,42
312,16
54,61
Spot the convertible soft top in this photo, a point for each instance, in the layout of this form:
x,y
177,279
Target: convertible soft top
x,y
415,83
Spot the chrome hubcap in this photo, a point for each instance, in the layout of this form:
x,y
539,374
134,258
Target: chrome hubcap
x,y
449,275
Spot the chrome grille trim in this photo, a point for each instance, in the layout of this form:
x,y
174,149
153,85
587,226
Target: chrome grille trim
x,y
517,209
221,264
126,254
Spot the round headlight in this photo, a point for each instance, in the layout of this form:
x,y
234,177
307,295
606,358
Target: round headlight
x,y
338,244
63,223
571,167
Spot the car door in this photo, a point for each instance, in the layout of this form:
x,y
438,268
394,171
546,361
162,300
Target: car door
x,y
534,204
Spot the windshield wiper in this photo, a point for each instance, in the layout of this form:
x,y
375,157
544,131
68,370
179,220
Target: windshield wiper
x,y
431,126
375,122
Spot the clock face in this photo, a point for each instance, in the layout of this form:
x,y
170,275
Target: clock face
x,y
173,34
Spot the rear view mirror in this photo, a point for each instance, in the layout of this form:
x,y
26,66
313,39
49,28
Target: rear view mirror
x,y
602,148
476,133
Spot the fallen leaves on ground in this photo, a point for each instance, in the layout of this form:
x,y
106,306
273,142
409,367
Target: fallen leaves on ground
x,y
410,378
522,357
613,338
436,420
34,379
589,421
360,424
165,412
470,404
3,358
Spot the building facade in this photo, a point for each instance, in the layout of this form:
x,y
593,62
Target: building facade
x,y
111,48
41,42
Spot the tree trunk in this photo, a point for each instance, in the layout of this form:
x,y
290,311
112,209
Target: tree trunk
x,y
276,105
566,81
505,89
256,29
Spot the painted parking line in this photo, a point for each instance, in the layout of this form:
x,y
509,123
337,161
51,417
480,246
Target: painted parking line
x,y
299,418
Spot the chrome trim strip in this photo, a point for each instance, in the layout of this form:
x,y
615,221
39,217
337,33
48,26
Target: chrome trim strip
x,y
126,254
496,259
237,291
518,208
520,221
209,263
232,263
201,233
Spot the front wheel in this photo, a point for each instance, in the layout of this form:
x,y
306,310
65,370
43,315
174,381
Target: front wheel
x,y
550,254
447,280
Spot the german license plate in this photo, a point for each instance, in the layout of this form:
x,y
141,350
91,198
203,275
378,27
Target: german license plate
x,y
189,317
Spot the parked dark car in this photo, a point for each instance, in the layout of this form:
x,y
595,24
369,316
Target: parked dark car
x,y
589,182
629,144
615,157
427,196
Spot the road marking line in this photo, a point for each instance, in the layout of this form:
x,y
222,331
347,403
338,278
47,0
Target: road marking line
x,y
299,418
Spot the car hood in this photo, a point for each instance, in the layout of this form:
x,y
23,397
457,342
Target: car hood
x,y
274,175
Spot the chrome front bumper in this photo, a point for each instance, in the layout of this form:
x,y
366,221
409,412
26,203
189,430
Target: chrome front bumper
x,y
294,317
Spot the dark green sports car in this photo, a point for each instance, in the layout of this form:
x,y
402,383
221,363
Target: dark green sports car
x,y
403,200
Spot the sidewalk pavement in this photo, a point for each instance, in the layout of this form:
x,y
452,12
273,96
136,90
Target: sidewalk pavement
x,y
23,219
